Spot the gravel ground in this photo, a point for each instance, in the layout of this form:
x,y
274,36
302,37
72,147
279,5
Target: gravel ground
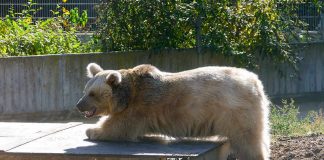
x,y
305,147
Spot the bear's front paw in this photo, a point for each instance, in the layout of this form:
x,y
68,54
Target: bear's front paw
x,y
92,133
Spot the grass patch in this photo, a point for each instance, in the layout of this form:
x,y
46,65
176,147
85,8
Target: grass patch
x,y
286,121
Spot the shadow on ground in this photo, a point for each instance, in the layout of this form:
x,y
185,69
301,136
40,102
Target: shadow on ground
x,y
148,147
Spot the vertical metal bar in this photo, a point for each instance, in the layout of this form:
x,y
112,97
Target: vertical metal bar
x,y
322,25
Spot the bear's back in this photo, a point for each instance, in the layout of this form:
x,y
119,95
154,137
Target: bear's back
x,y
233,86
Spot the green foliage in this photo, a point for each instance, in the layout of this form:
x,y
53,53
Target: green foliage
x,y
73,19
247,30
132,25
286,121
21,34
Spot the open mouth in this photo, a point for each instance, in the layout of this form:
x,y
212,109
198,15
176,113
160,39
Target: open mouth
x,y
89,114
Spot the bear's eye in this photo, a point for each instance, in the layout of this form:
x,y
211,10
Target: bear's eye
x,y
91,94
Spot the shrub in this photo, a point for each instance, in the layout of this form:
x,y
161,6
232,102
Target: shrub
x,y
21,34
286,120
246,30
72,19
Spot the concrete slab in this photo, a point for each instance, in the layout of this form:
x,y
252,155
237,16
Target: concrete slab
x,y
30,141
13,135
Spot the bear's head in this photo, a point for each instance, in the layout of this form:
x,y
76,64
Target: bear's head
x,y
105,93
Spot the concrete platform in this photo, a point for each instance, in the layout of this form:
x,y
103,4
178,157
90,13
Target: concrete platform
x,y
63,141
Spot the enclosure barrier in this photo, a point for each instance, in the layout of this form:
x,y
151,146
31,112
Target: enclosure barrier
x,y
54,83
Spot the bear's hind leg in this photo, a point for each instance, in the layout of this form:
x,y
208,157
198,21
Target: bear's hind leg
x,y
251,147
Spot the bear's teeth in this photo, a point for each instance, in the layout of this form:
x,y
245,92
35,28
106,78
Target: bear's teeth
x,y
87,112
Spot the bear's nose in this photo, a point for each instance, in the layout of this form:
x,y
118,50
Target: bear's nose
x,y
80,105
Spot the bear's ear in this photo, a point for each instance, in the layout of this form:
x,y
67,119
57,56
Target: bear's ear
x,y
114,78
93,69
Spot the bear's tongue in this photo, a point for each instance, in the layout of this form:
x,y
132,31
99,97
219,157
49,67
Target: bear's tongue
x,y
89,113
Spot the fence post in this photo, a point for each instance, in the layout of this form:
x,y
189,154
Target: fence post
x,y
198,23
322,25
198,33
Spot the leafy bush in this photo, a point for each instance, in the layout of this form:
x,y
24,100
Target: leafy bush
x,y
246,30
72,18
286,121
21,34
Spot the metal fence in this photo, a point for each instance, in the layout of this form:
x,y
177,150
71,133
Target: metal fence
x,y
47,6
311,14
307,12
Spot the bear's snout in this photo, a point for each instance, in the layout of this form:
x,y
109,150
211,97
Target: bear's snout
x,y
82,105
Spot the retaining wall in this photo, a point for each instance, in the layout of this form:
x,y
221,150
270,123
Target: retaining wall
x,y
55,82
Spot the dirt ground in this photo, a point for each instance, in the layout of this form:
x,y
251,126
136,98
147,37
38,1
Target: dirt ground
x,y
306,147
296,148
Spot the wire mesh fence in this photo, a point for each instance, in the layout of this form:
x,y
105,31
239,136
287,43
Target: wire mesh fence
x,y
308,12
47,6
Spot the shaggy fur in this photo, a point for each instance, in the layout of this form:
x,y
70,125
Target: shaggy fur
x,y
202,102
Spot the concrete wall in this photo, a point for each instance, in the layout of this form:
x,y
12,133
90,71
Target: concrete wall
x,y
55,82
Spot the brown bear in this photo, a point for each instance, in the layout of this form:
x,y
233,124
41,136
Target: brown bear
x,y
202,102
